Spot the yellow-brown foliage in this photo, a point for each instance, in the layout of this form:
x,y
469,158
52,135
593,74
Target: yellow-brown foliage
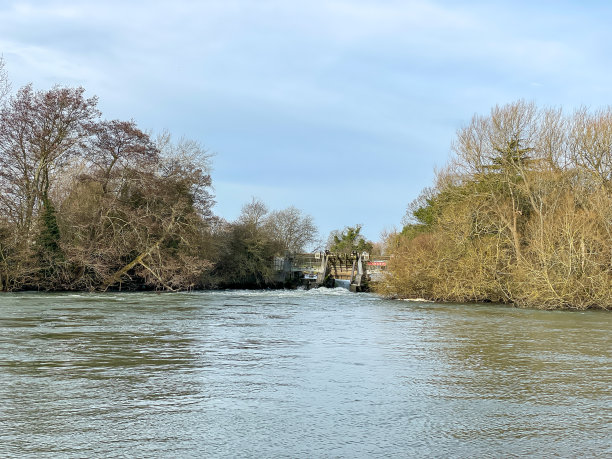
x,y
522,214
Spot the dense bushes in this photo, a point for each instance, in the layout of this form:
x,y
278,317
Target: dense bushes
x,y
522,214
91,204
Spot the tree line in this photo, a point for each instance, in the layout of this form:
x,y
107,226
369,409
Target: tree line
x,y
522,213
93,204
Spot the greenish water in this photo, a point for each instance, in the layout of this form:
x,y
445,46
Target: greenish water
x,y
320,373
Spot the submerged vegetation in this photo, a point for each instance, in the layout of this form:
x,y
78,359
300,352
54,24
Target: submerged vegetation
x,y
521,214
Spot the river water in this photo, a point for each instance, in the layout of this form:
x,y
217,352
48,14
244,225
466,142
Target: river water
x,y
319,373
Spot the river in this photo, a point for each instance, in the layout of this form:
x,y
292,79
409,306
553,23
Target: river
x,y
319,373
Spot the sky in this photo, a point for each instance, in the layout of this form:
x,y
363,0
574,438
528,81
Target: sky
x,y
343,109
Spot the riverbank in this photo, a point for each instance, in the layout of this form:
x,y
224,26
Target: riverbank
x,y
383,292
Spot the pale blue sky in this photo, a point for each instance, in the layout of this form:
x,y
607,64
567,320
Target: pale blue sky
x,y
341,108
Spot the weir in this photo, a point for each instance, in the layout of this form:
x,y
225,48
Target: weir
x,y
342,283
327,269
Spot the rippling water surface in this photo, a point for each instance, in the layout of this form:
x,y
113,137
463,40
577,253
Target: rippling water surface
x,y
320,373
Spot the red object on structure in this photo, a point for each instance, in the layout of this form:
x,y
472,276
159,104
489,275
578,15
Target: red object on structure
x,y
377,263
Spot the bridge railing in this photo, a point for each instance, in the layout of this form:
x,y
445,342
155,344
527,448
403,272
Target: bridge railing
x,y
311,262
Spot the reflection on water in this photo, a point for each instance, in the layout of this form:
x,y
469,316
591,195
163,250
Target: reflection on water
x,y
320,373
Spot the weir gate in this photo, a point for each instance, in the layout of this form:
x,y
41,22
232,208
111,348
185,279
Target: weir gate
x,y
327,269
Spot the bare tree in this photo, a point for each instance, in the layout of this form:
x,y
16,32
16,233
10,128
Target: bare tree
x,y
501,151
39,132
591,144
160,216
188,161
5,85
253,213
293,230
118,145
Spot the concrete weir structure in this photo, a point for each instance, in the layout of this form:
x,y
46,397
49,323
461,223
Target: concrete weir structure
x,y
324,269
